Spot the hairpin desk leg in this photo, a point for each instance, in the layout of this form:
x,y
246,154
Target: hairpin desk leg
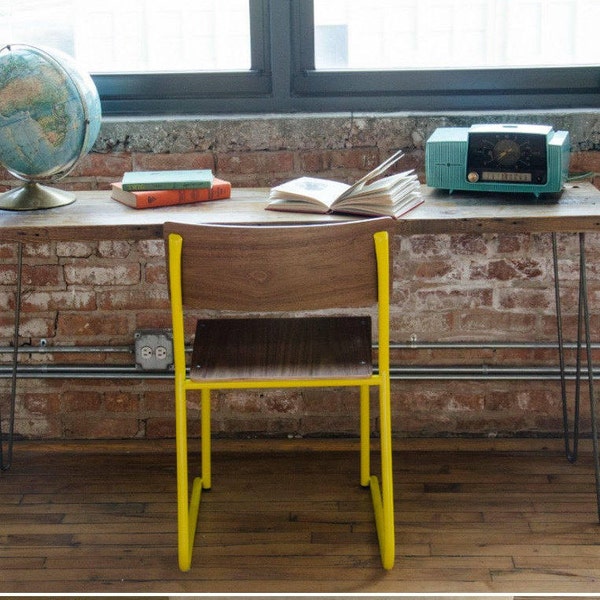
x,y
5,462
583,330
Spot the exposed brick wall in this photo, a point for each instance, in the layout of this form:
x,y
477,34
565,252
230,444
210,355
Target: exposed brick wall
x,y
446,288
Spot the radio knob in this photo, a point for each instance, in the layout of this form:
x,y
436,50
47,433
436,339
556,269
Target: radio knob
x,y
473,177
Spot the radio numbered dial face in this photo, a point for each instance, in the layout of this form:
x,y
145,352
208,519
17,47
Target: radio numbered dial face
x,y
507,158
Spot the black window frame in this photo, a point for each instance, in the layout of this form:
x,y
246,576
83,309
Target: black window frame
x,y
283,79
196,92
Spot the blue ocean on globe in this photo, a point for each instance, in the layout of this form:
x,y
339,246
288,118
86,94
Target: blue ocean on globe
x,y
50,112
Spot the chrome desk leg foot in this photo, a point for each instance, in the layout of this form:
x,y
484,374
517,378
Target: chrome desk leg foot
x,y
583,303
570,452
583,331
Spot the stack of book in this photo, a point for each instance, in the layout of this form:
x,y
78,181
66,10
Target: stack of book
x,y
150,189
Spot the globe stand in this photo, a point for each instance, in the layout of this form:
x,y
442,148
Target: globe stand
x,y
34,196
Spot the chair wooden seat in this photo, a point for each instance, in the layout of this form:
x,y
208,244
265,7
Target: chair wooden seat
x,y
281,348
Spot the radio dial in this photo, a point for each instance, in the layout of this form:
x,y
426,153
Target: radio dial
x,y
506,152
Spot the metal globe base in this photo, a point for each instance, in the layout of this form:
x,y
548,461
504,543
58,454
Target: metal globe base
x,y
34,196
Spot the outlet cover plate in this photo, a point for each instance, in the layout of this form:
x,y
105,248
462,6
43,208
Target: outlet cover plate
x,y
154,349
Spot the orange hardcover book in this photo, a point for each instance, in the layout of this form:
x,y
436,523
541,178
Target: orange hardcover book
x,y
220,190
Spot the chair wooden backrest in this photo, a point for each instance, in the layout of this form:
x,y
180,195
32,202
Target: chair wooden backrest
x,y
279,268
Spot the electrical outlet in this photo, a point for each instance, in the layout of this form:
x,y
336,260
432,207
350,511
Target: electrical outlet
x,y
154,349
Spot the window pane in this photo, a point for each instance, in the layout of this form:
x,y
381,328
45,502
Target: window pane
x,y
135,35
434,34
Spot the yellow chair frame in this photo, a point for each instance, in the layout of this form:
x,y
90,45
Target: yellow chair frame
x,y
176,236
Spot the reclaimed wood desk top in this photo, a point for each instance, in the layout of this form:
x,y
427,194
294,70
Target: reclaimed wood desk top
x,y
94,215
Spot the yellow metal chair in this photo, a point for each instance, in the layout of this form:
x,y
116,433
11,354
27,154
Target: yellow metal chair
x,y
285,271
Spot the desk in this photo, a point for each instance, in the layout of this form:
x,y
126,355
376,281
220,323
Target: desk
x,y
94,216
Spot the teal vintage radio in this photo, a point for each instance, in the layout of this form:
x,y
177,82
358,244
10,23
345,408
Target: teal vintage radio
x,y
498,158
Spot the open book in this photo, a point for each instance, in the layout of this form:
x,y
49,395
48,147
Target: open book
x,y
391,196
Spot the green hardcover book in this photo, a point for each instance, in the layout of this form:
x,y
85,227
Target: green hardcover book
x,y
136,181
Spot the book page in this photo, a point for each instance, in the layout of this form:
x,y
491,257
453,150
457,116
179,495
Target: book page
x,y
384,188
309,189
378,170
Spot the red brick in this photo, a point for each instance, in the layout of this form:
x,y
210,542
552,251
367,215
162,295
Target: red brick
x,y
313,162
437,269
470,244
159,401
108,165
263,426
454,299
326,425
81,401
122,402
63,300
584,162
135,299
153,319
505,270
118,273
493,324
158,162
161,428
428,245
75,249
114,248
156,274
39,427
151,248
8,274
359,159
512,243
427,326
42,275
257,162
526,299
8,251
112,325
36,327
86,427
7,301
38,250
39,404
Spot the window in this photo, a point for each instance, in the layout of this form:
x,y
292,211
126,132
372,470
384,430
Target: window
x,y
323,55
150,57
448,54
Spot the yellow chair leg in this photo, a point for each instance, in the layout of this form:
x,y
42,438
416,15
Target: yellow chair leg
x,y
365,436
188,507
183,515
383,496
206,439
383,500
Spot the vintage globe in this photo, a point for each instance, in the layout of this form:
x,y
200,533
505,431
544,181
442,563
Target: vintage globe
x,y
49,118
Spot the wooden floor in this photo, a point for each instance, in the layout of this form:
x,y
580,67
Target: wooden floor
x,y
289,516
